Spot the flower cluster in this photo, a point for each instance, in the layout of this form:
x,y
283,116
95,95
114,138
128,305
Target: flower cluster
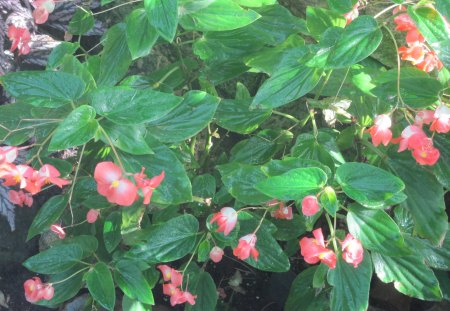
x,y
120,190
175,279
26,177
42,9
314,250
35,290
416,51
20,38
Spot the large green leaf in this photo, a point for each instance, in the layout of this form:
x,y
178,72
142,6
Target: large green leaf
x,y
303,296
368,185
289,229
57,55
350,285
409,274
123,105
437,257
295,184
187,119
111,231
43,88
443,7
430,23
341,6
141,36
132,282
129,138
100,284
426,204
255,3
82,21
236,116
116,57
47,215
240,181
359,40
318,20
79,127
163,16
271,256
221,15
56,259
376,230
202,285
168,242
176,187
442,168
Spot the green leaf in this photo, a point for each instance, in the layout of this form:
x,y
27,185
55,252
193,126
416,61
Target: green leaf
x,y
111,231
303,296
409,274
318,20
341,6
376,230
204,186
255,3
50,89
56,259
236,116
437,257
116,57
240,180
295,184
289,229
289,81
88,243
430,23
134,305
329,201
123,105
424,203
48,214
79,127
202,285
141,36
442,168
203,251
271,256
168,242
368,185
221,15
82,21
443,6
132,282
163,15
100,284
350,285
279,167
129,138
57,55
359,40
187,119
190,6
176,187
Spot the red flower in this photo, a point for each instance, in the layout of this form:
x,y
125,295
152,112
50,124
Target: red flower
x,y
216,254
430,62
226,220
313,250
283,212
20,198
16,175
33,181
92,215
113,186
35,290
246,247
180,297
426,154
441,122
415,53
404,22
20,38
43,9
310,205
424,117
169,289
352,250
380,131
8,154
148,185
414,37
170,274
50,175
58,230
411,138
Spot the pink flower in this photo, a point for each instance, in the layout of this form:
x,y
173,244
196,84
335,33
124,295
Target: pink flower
x,y
43,9
148,185
411,137
216,254
170,274
424,117
180,297
414,37
35,290
20,38
352,250
441,122
380,131
283,212
113,186
169,289
58,230
92,215
8,154
20,198
429,62
50,175
16,175
313,250
33,181
415,53
246,246
404,22
226,220
310,205
425,153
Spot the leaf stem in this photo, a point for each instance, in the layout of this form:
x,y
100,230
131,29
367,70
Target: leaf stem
x,y
58,282
261,221
193,254
332,231
113,148
69,202
117,6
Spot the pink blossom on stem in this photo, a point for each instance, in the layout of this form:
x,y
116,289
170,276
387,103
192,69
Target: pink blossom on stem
x,y
226,220
352,250
246,246
216,254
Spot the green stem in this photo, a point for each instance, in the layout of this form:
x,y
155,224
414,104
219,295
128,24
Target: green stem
x,y
117,6
261,221
69,202
332,232
164,78
287,116
113,148
58,282
193,254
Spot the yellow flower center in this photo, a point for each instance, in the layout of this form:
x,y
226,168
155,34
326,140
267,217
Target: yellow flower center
x,y
115,184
